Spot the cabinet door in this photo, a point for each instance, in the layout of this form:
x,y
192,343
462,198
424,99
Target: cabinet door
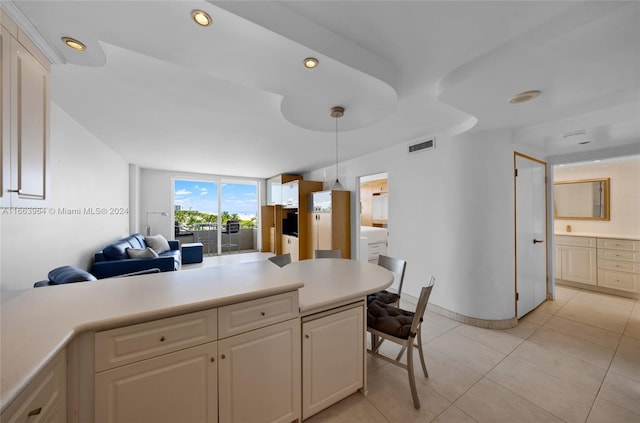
x,y
294,250
5,108
333,359
579,264
29,140
44,399
259,375
175,387
324,231
558,262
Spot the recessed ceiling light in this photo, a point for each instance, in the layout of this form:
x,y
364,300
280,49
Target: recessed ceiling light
x,y
74,44
310,62
523,97
201,17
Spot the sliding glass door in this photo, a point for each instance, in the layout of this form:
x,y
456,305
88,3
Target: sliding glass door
x,y
197,206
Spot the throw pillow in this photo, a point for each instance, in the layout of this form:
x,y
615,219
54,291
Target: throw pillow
x,y
158,243
141,253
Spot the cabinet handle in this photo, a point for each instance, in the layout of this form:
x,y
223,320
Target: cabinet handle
x,y
213,359
537,241
306,336
223,356
262,313
34,412
162,339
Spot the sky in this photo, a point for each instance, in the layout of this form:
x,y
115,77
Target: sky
x,y
202,196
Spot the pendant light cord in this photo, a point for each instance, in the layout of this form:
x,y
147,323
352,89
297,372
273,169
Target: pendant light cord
x,y
336,149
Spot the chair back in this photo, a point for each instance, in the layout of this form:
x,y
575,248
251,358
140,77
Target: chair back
x,y
281,260
396,266
233,226
425,292
328,254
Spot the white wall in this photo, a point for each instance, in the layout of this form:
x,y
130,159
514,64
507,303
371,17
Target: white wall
x,y
451,215
624,177
84,174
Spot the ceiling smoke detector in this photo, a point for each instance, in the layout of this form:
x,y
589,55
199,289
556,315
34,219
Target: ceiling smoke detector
x,y
524,97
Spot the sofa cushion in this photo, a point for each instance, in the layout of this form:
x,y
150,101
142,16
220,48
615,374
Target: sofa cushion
x,y
158,242
69,274
141,253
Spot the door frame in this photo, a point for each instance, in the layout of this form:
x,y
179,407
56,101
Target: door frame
x,y
517,154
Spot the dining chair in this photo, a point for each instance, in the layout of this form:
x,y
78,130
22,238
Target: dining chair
x,y
398,268
328,254
281,260
390,323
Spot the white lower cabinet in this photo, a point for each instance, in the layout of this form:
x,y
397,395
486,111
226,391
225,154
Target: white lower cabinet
x,y
44,400
579,264
177,387
332,357
259,375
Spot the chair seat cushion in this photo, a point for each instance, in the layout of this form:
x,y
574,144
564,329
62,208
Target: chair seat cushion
x,y
385,297
388,319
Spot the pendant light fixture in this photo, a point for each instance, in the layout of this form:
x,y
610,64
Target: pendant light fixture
x,y
337,112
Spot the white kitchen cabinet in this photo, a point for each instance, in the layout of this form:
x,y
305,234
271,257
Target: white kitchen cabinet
x,y
578,259
332,357
44,399
176,387
290,245
25,120
619,264
259,375
579,264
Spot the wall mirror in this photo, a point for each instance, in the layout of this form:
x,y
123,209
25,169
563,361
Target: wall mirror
x,y
586,199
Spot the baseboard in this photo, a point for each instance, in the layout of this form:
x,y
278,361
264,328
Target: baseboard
x,y
600,289
472,321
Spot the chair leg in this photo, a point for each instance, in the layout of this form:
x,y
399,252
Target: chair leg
x,y
402,350
412,379
424,366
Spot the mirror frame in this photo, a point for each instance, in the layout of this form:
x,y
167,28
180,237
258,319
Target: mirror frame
x,y
607,207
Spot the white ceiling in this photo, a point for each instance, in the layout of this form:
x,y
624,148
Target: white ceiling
x,y
234,98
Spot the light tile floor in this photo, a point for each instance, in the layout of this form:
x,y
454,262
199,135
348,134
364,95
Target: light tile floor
x,y
575,359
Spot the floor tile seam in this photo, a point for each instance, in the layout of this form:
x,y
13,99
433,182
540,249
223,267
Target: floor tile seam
x,y
458,408
366,397
547,372
492,348
613,404
442,334
571,355
605,378
460,362
612,348
516,394
600,307
585,324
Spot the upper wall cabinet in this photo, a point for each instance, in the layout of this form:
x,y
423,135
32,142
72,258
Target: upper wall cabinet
x,y
25,120
279,189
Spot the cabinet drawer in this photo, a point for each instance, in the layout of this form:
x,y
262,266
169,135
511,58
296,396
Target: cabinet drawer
x,y
378,247
619,255
618,265
44,399
243,317
619,280
117,347
619,244
579,241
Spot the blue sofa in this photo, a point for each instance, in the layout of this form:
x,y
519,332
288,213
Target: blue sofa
x,y
114,260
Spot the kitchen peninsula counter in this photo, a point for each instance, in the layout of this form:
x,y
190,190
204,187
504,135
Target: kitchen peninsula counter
x,y
37,324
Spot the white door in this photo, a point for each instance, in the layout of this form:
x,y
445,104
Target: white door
x,y
531,234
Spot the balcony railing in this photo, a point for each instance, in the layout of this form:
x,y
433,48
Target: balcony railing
x,y
245,240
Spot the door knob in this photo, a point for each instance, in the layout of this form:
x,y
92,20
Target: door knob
x,y
537,241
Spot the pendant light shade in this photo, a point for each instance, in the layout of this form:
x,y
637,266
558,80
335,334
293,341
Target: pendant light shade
x,y
337,112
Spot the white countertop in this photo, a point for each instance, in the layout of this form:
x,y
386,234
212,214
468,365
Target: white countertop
x,y
35,324
595,235
332,281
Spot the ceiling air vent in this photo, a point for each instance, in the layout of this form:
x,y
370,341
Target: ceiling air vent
x,y
424,145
